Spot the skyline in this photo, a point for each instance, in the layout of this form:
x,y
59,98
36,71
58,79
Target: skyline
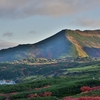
x,y
24,22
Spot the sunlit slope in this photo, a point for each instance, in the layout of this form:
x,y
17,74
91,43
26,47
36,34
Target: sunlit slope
x,y
87,43
66,43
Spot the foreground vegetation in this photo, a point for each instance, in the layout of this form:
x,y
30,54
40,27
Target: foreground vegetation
x,y
53,87
56,81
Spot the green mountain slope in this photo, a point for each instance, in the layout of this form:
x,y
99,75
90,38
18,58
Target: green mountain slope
x,y
66,43
87,43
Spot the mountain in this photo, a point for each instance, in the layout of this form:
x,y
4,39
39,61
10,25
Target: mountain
x,y
66,43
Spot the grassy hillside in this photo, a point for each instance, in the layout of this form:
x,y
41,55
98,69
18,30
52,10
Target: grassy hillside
x,y
87,43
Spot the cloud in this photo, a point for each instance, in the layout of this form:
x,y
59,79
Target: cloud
x,y
5,44
7,34
87,22
27,8
32,32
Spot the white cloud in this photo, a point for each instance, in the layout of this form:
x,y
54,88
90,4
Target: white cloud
x,y
26,8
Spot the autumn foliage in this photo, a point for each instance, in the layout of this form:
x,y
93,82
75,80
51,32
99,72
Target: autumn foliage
x,y
87,88
82,98
69,98
45,94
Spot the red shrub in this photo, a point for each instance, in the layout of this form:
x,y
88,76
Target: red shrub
x,y
7,99
69,98
85,88
89,98
82,98
96,88
40,94
45,94
32,96
36,88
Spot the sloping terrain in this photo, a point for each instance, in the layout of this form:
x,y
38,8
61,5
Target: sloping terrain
x,y
87,43
71,78
10,71
53,47
66,43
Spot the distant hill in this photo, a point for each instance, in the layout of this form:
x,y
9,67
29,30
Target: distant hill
x,y
66,43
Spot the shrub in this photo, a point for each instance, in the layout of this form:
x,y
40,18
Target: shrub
x,y
85,88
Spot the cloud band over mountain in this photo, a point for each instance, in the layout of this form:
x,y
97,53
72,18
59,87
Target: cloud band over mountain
x,y
27,8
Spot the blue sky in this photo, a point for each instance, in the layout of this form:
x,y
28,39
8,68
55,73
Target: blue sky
x,y
29,21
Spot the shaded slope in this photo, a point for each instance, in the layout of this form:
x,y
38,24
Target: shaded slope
x,y
55,46
52,47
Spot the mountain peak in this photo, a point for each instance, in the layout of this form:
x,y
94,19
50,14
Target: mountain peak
x,y
66,43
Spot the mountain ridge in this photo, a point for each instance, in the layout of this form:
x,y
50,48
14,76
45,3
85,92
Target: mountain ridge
x,y
66,43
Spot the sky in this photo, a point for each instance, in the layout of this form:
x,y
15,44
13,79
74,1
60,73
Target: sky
x,y
30,21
